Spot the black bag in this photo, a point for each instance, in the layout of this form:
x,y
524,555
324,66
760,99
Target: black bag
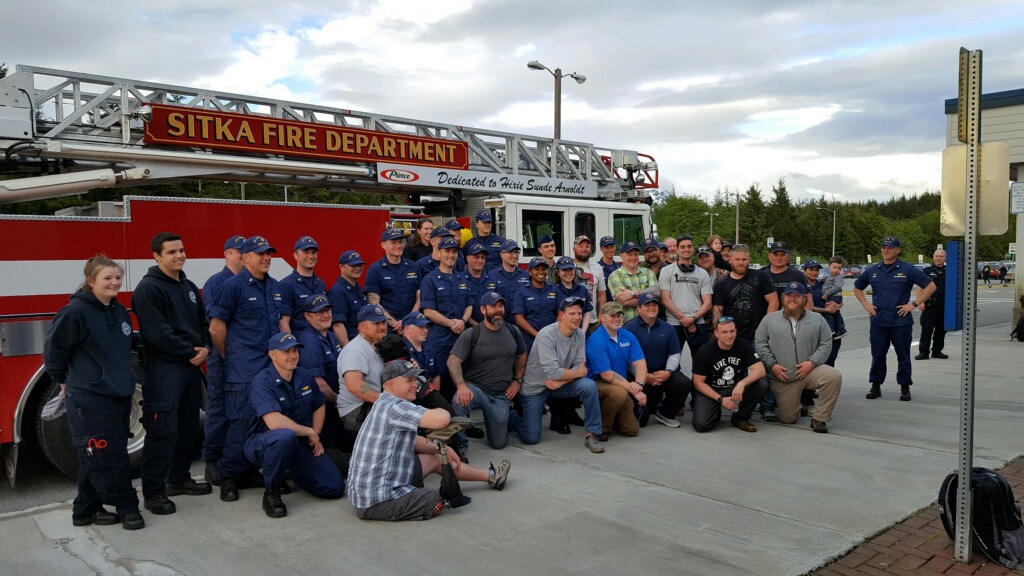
x,y
1018,332
996,522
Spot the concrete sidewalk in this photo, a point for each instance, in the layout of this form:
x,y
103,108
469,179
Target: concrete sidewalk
x,y
781,501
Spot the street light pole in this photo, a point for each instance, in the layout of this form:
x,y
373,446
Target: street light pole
x,y
833,227
711,225
737,217
557,73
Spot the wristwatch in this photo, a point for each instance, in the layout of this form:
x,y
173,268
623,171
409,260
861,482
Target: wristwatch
x,y
913,303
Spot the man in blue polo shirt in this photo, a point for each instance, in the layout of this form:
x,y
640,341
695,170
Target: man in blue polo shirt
x,y
447,300
319,355
611,355
535,305
243,318
477,276
509,277
891,282
285,435
662,350
347,296
395,279
493,242
300,284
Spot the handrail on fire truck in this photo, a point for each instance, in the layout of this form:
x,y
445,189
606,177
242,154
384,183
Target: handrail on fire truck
x,y
97,122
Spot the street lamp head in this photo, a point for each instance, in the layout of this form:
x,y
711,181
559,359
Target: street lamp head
x,y
579,78
535,65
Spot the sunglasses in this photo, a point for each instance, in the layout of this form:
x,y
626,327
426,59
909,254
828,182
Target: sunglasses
x,y
726,320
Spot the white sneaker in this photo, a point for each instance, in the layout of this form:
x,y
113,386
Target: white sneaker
x,y
670,422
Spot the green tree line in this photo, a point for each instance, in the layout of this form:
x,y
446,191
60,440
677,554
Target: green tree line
x,y
807,225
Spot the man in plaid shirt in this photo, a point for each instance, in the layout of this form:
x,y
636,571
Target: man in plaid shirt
x,y
630,281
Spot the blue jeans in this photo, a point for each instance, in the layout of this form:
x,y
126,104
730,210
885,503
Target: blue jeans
x,y
495,409
533,408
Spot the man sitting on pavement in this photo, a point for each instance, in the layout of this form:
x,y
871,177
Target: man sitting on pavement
x,y
487,364
385,478
556,367
662,352
286,434
612,352
794,343
727,374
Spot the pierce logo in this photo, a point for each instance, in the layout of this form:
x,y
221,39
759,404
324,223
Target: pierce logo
x,y
396,175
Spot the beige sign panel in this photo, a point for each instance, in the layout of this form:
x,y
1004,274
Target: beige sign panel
x,y
993,196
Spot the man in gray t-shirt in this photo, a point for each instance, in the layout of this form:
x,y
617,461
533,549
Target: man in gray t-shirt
x,y
686,295
360,367
487,364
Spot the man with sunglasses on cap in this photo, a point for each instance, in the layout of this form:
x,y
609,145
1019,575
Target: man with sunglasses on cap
x,y
727,373
686,295
487,364
492,242
346,296
394,280
390,459
794,343
300,285
285,434
890,309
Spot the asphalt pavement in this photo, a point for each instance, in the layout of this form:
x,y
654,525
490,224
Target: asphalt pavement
x,y
781,501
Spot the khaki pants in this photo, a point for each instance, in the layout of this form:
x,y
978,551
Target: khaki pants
x,y
827,380
616,409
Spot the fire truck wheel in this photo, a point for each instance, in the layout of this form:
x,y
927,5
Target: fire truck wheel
x,y
55,436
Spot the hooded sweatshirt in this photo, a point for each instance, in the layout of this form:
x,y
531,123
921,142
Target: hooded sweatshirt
x,y
89,347
172,319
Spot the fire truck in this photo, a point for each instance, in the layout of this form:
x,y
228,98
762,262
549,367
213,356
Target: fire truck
x,y
66,133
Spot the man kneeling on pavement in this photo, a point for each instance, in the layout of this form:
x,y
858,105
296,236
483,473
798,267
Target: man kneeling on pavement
x,y
385,478
285,436
727,374
794,344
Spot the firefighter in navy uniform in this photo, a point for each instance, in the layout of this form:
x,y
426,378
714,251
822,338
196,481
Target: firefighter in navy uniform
x,y
176,340
891,281
933,330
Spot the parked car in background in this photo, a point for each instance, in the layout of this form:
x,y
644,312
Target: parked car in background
x,y
852,271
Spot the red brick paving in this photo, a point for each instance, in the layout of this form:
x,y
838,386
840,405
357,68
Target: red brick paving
x,y
919,546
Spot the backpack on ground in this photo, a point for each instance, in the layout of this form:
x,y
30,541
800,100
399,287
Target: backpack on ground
x,y
996,525
1018,332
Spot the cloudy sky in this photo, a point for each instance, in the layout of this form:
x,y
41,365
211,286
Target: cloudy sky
x,y
838,97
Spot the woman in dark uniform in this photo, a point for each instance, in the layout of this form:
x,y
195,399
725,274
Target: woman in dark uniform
x,y
88,351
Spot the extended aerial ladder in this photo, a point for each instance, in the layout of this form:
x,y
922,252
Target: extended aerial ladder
x,y
73,132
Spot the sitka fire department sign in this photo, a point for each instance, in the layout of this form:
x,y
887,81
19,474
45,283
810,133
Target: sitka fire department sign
x,y
179,126
485,181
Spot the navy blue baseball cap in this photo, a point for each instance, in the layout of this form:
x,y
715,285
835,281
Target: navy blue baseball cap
x,y
779,247
447,243
795,288
392,234
662,246
509,245
565,263
453,224
538,261
490,298
316,303
305,243
283,341
545,239
350,257
891,241
629,247
812,263
371,312
607,241
440,232
415,319
571,300
475,248
484,216
234,243
257,244
646,297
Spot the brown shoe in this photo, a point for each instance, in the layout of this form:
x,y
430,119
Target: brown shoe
x,y
744,425
819,427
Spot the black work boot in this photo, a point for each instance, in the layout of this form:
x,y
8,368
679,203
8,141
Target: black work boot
x,y
273,505
876,392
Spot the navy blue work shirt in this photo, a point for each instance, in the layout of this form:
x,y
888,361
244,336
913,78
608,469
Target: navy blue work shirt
x,y
508,283
319,355
251,309
493,244
608,269
346,300
480,286
297,400
448,294
539,306
427,264
396,284
891,285
295,288
424,358
577,290
657,342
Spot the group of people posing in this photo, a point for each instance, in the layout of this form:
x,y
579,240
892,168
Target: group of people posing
x,y
336,386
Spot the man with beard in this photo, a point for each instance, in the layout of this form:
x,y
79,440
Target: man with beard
x,y
744,295
669,254
651,249
794,344
360,369
727,374
487,365
301,284
592,276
